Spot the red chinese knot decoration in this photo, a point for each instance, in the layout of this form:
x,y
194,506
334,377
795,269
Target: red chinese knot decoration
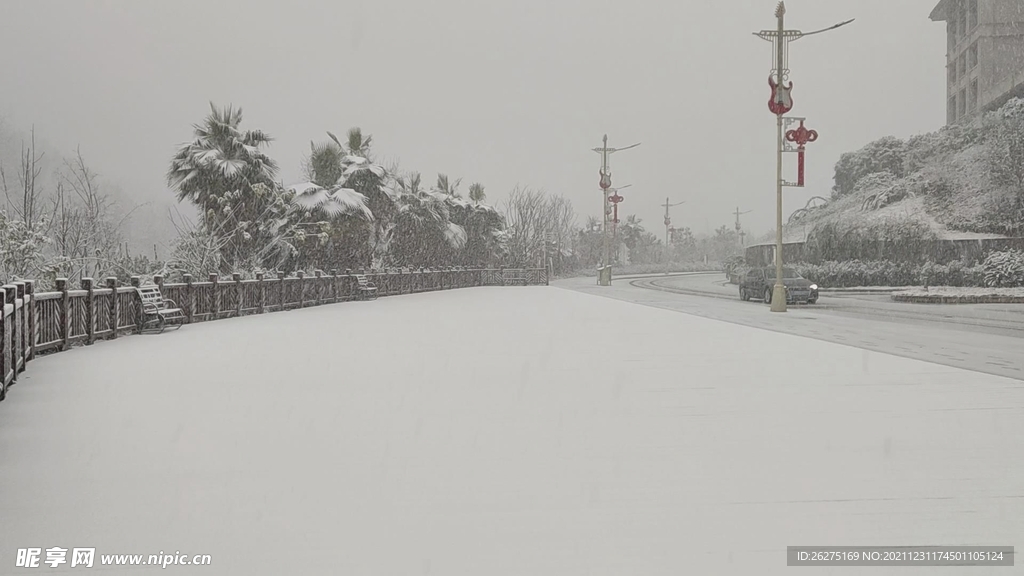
x,y
615,199
801,137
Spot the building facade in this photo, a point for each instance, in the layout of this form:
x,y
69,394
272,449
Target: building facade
x,y
984,54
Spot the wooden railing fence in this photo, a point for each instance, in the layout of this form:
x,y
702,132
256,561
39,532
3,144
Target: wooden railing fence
x,y
55,321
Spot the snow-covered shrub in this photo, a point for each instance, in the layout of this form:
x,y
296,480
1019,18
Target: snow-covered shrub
x,y
897,239
734,264
883,155
1004,269
888,190
852,273
21,248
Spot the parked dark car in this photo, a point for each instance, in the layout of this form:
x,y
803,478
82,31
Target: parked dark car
x,y
758,284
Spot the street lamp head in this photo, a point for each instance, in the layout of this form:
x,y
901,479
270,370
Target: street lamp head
x,y
841,24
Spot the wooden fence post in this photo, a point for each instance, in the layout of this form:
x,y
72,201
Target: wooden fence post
x,y
237,278
334,285
140,316
215,297
90,311
64,314
302,287
22,325
115,315
280,277
318,282
189,298
262,291
33,320
5,352
11,340
158,279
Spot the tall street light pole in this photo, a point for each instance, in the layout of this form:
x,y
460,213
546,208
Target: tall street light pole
x,y
780,103
739,229
606,184
668,225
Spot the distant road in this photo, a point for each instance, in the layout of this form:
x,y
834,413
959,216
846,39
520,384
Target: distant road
x,y
1003,319
980,337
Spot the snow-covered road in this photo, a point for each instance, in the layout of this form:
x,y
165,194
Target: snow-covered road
x,y
983,337
502,431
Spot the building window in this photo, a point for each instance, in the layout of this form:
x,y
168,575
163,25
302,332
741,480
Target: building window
x,y
961,67
972,56
951,110
962,18
973,103
972,14
962,104
952,73
950,36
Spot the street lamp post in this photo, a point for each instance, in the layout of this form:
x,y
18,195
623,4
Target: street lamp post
x,y
668,224
780,103
606,184
739,229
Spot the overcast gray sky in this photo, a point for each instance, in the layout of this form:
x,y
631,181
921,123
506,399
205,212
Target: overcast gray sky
x,y
496,92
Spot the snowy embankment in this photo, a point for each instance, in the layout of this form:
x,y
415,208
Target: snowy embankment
x,y
953,295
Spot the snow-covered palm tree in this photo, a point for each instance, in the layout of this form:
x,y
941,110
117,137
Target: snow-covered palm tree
x,y
344,182
225,172
476,193
221,158
448,186
324,165
359,145
421,232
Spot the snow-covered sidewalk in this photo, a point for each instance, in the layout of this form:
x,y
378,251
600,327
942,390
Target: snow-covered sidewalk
x,y
502,431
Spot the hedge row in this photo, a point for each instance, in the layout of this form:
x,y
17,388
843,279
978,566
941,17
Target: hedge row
x,y
1000,269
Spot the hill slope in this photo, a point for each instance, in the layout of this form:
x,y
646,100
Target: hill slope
x,y
961,182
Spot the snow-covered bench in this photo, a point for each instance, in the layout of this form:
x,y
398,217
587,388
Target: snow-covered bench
x,y
365,289
158,312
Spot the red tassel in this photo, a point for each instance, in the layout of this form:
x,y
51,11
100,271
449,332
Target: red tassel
x,y
800,167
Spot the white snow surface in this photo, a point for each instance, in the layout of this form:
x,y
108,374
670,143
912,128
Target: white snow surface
x,y
502,431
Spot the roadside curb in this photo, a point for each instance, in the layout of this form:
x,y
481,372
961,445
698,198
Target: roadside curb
x,y
651,275
855,290
940,299
663,275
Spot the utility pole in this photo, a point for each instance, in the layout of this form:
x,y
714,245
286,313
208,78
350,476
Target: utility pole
x,y
779,104
739,230
668,230
606,184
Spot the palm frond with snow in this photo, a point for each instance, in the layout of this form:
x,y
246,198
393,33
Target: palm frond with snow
x,y
333,202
